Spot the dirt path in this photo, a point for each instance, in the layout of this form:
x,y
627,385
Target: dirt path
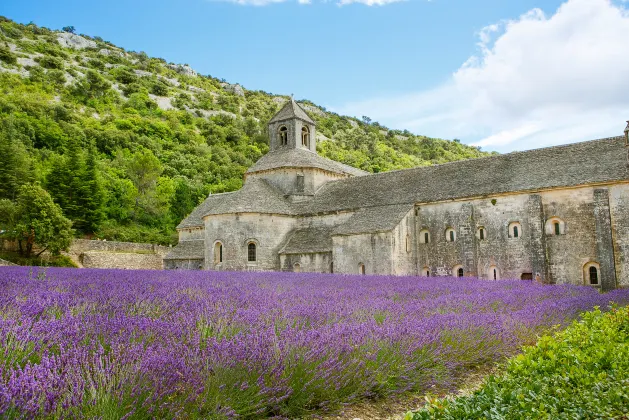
x,y
395,408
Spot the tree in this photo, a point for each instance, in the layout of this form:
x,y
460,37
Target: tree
x,y
75,185
68,29
15,166
37,220
93,85
91,195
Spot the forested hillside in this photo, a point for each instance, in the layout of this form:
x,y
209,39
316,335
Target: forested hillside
x,y
129,144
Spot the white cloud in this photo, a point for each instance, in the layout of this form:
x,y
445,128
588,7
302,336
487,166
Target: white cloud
x,y
537,81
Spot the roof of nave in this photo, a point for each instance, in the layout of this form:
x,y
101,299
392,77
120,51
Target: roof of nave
x,y
576,164
374,219
187,250
309,240
301,158
596,161
291,110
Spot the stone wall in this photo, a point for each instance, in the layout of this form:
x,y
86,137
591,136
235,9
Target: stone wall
x,y
85,245
268,232
113,254
4,263
594,228
123,260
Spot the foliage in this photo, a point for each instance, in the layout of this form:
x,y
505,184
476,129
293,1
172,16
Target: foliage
x,y
7,56
582,372
76,105
45,260
35,219
122,344
69,29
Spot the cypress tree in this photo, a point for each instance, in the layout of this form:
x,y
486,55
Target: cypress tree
x,y
91,195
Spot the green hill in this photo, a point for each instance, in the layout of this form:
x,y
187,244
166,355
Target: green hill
x,y
129,144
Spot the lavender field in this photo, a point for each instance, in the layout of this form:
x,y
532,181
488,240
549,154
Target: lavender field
x,y
143,344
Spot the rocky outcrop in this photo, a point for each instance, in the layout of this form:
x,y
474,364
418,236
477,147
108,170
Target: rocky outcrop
x,y
183,69
76,42
235,89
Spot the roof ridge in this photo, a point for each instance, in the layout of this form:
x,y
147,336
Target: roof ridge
x,y
483,158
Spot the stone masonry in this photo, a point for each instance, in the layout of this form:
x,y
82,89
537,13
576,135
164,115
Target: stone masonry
x,y
554,215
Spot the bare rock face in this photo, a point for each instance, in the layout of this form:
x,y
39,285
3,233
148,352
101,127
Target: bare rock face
x,y
313,109
74,41
107,52
184,69
235,89
162,102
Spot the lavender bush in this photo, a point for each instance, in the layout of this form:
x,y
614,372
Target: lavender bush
x,y
142,344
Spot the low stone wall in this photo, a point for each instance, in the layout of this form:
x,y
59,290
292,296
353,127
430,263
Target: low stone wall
x,y
112,254
80,246
5,263
124,260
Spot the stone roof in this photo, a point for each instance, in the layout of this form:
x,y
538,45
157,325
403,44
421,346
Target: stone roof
x,y
195,219
256,196
187,250
596,161
301,158
374,219
309,240
291,110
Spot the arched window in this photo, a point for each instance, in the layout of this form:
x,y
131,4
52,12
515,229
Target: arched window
x,y
297,268
283,135
361,268
450,235
592,274
515,230
426,272
555,226
492,273
457,271
408,243
424,236
251,252
305,136
218,253
481,234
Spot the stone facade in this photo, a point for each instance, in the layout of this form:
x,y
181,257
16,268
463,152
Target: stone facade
x,y
555,215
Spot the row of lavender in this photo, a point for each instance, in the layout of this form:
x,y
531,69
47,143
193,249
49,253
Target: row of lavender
x,y
106,343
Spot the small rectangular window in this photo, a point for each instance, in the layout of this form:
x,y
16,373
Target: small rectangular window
x,y
482,234
426,237
515,231
451,236
299,186
557,230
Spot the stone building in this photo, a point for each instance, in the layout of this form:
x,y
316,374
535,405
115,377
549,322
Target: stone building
x,y
556,215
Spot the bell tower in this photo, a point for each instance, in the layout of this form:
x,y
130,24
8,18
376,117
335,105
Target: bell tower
x,y
292,128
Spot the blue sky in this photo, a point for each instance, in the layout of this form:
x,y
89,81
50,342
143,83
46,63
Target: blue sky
x,y
505,75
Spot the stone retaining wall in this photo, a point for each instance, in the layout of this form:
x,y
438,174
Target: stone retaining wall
x,y
124,260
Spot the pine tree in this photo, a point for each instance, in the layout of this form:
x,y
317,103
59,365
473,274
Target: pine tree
x,y
91,196
15,166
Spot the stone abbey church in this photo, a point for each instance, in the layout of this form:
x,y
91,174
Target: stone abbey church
x,y
555,215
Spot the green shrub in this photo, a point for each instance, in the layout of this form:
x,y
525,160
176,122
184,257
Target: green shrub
x,y
49,62
7,56
159,88
582,372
